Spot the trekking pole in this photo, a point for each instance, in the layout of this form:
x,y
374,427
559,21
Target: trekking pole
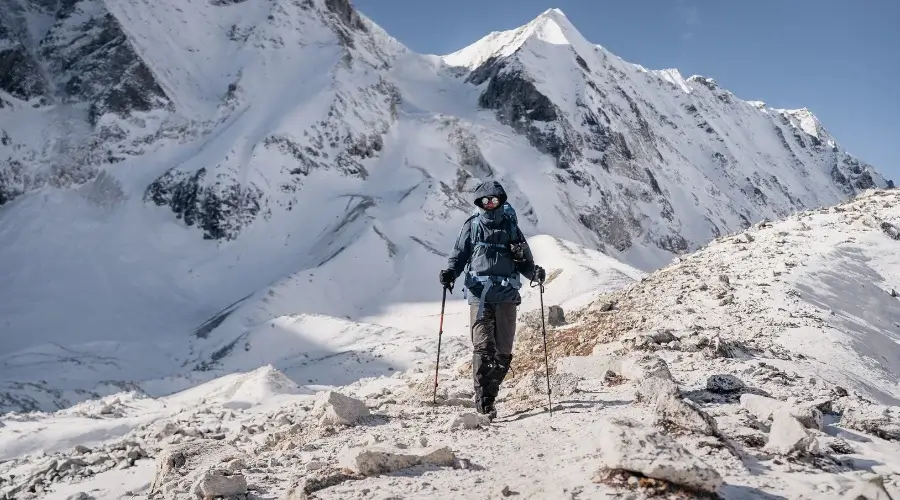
x,y
437,365
546,361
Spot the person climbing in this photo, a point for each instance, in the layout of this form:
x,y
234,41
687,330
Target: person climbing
x,y
496,252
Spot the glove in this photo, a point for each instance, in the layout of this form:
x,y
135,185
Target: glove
x,y
447,278
539,274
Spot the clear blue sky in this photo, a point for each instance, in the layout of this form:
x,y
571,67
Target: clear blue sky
x,y
839,58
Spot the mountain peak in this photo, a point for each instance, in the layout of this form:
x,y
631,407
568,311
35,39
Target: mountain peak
x,y
706,81
554,14
550,27
674,76
807,121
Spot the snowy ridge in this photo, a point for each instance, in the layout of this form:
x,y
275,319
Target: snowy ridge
x,y
830,272
749,367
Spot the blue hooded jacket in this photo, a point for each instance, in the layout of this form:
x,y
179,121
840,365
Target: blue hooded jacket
x,y
496,228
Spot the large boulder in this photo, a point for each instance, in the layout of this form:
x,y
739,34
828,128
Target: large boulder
x,y
764,409
651,375
202,465
788,435
469,420
214,483
625,445
761,407
724,383
556,316
383,459
534,385
334,408
679,413
595,366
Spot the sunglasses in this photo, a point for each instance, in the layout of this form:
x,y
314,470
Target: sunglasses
x,y
493,200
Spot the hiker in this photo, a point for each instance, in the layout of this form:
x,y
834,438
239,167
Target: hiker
x,y
495,251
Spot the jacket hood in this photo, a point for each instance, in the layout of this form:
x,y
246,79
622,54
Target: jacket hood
x,y
490,188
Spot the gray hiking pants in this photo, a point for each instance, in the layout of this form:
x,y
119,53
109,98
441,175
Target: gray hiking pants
x,y
493,334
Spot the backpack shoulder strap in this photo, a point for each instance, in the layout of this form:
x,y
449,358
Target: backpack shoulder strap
x,y
513,230
472,221
473,229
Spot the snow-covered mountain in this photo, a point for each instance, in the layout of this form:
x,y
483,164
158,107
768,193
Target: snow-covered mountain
x,y
204,186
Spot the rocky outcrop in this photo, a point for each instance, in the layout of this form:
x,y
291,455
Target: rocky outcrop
x,y
879,420
14,180
218,198
346,13
376,460
627,446
469,152
82,60
517,103
203,468
93,61
788,435
221,211
20,74
334,408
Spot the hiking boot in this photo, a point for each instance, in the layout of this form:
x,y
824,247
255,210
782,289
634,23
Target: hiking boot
x,y
485,406
495,377
482,367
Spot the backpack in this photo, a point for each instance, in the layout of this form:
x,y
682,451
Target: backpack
x,y
510,214
487,281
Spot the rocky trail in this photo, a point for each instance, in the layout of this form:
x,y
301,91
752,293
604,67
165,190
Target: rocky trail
x,y
701,381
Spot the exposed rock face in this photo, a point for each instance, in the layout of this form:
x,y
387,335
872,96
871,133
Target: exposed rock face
x,y
220,210
19,72
82,61
93,61
518,104
346,13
